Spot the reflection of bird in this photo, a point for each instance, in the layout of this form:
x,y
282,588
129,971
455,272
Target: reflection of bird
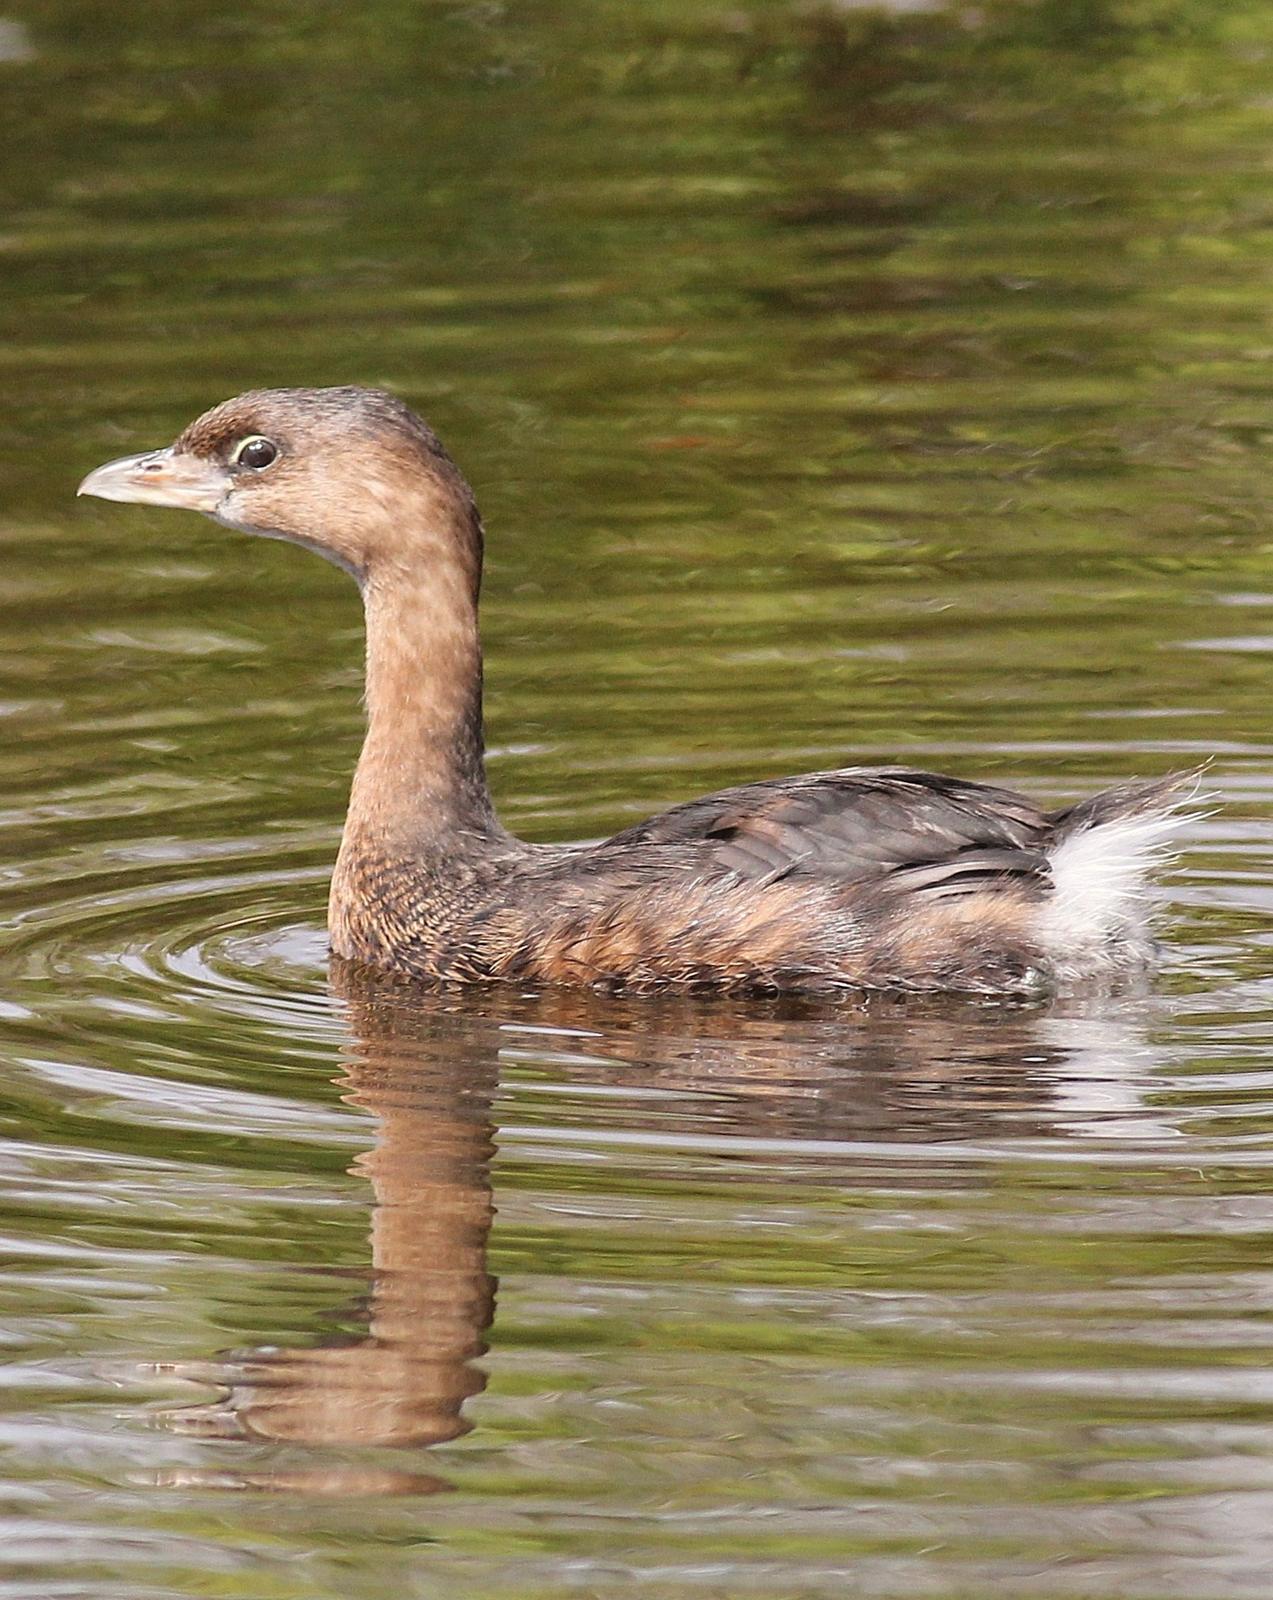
x,y
854,879
431,1298
804,1078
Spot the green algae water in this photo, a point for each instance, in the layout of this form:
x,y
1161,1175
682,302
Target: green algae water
x,y
839,385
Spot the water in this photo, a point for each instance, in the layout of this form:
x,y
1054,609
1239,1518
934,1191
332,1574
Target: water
x,y
838,386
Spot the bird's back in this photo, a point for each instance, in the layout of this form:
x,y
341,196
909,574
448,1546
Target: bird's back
x,y
857,879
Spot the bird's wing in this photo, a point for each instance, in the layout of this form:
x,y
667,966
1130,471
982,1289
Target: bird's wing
x,y
893,831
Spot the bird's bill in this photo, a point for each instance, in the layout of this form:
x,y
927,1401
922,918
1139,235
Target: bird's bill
x,y
160,478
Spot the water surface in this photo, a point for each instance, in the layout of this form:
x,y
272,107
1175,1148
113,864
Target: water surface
x,y
838,386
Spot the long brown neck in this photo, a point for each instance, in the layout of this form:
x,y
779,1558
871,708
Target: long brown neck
x,y
420,814
421,772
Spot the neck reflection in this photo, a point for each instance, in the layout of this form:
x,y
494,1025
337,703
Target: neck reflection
x,y
423,1076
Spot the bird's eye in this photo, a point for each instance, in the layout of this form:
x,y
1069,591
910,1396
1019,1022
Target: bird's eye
x,y
256,452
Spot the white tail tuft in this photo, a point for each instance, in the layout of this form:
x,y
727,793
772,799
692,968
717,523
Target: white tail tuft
x,y
1097,918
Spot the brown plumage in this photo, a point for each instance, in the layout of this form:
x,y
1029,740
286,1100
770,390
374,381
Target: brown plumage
x,y
850,880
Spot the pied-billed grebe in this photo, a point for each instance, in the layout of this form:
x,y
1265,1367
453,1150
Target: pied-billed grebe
x,y
853,880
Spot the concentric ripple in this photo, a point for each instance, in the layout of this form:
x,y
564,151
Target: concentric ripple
x,y
217,928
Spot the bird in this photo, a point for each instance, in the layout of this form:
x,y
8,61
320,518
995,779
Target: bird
x,y
848,882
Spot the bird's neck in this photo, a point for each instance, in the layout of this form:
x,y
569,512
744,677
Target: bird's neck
x,y
423,768
420,819
421,777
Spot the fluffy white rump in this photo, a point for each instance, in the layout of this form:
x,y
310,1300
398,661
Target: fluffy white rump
x,y
1097,920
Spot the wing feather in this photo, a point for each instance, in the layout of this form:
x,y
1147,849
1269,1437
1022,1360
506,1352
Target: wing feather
x,y
862,827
